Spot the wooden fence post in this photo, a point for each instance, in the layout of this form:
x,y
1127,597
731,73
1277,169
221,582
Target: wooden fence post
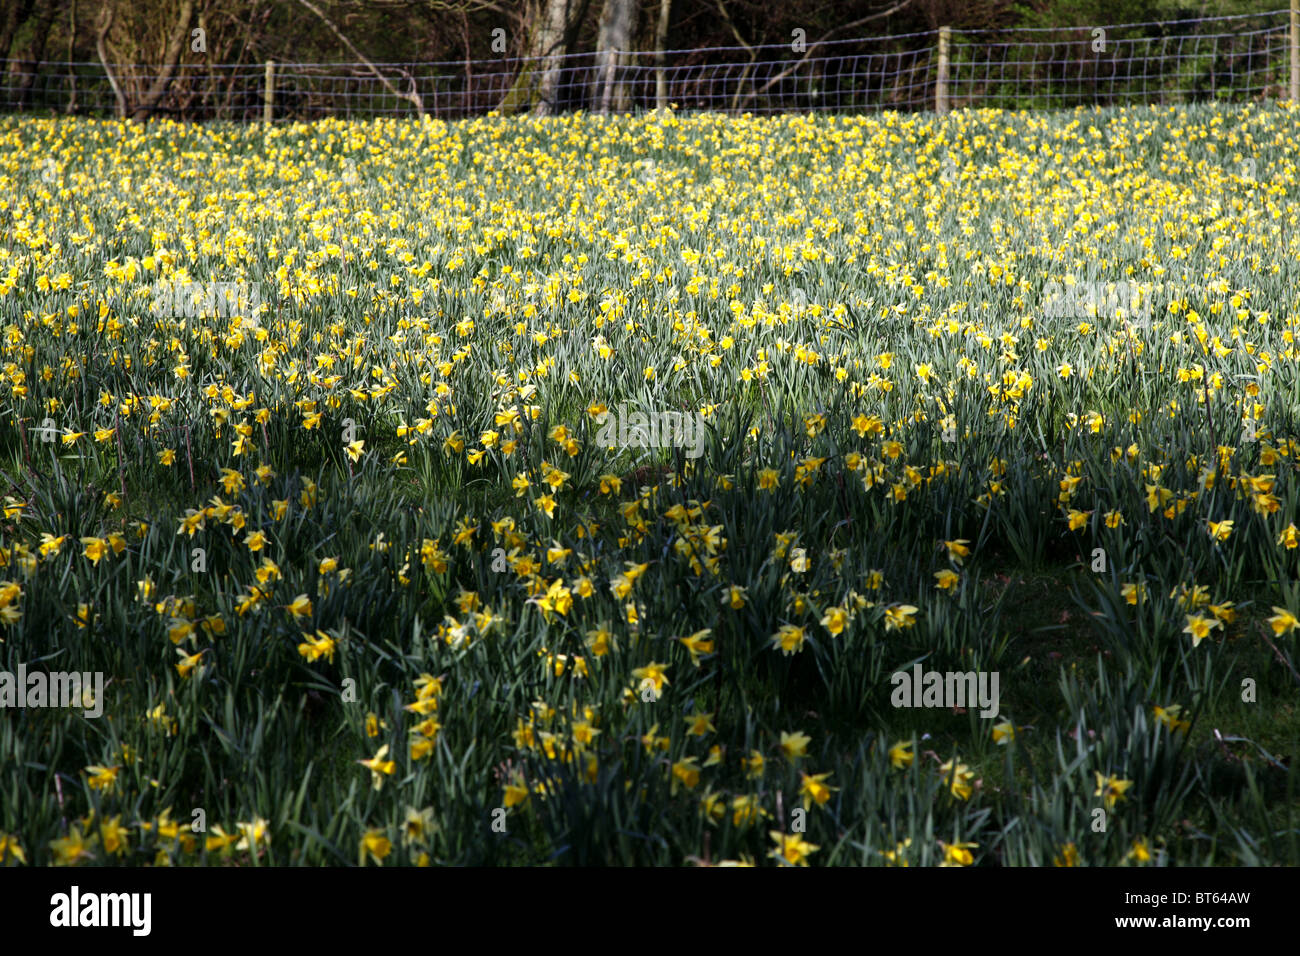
x,y
268,99
941,83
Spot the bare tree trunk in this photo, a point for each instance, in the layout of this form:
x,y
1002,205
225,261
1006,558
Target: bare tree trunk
x,y
551,45
72,76
465,100
551,31
617,20
171,56
661,38
206,85
100,37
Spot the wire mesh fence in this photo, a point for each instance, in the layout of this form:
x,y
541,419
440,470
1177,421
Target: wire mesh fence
x,y
1174,61
1236,58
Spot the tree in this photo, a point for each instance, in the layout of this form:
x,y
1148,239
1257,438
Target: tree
x,y
36,21
661,38
141,19
617,21
171,56
14,16
101,47
551,28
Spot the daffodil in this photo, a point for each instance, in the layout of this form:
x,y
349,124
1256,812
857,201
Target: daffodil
x,y
946,580
957,854
379,767
697,644
1069,856
900,755
1282,621
1199,627
73,848
516,792
900,617
791,849
300,606
418,826
10,849
958,777
794,744
102,778
958,550
1111,789
814,790
1220,530
375,845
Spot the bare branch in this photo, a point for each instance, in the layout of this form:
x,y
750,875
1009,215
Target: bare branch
x,y
753,55
734,32
825,37
100,36
413,97
171,56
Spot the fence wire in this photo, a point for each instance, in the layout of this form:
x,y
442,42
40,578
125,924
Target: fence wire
x,y
1217,58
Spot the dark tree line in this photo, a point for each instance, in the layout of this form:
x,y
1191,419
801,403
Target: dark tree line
x,y
545,48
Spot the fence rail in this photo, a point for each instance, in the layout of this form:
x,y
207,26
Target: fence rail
x,y
1235,58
